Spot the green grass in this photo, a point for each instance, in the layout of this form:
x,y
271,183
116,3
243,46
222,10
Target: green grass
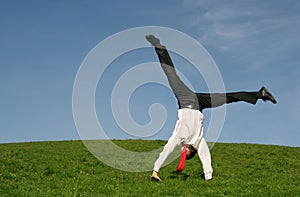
x,y
69,169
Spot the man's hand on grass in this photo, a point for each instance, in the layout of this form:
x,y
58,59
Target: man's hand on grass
x,y
155,177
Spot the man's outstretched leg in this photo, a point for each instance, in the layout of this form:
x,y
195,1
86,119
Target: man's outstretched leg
x,y
185,96
210,100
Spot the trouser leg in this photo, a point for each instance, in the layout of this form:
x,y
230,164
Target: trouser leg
x,y
185,96
249,97
217,99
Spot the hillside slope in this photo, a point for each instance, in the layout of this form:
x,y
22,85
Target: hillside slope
x,y
68,169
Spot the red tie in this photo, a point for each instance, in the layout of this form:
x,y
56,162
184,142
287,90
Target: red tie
x,y
182,159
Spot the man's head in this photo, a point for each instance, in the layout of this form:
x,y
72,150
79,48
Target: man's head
x,y
190,152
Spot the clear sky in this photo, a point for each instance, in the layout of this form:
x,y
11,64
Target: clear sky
x,y
43,44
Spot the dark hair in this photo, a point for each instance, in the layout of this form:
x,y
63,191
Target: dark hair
x,y
193,151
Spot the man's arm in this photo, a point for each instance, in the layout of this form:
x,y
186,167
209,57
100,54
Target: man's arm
x,y
168,149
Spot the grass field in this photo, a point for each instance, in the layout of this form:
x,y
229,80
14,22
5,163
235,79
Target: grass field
x,y
69,169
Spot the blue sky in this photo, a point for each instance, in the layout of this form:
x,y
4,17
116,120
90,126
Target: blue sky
x,y
43,44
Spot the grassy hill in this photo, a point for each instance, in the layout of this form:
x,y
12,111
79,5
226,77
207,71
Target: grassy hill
x,y
69,169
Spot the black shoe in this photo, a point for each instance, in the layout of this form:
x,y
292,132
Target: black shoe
x,y
154,41
266,95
